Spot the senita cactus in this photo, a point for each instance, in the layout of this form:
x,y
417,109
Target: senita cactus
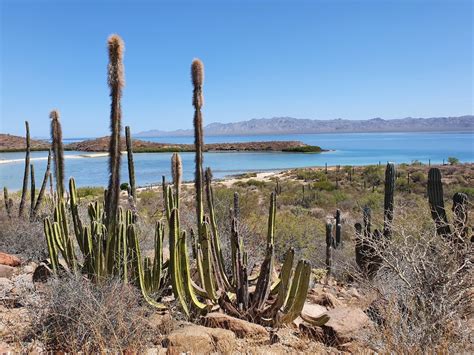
x,y
58,152
32,190
436,201
8,202
131,165
26,172
329,244
42,191
197,76
388,199
116,83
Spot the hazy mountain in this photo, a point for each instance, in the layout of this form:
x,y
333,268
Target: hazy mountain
x,y
286,125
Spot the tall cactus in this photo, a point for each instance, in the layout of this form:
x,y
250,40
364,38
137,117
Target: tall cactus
x,y
8,202
390,176
42,191
197,76
26,172
116,83
32,191
329,244
131,165
58,151
436,201
338,239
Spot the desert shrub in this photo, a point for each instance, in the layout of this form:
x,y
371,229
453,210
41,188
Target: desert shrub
x,y
324,185
469,191
251,182
89,191
308,174
80,316
421,301
372,200
124,186
418,177
453,160
373,174
23,237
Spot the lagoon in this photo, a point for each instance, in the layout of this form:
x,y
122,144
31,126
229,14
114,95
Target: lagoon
x,y
346,149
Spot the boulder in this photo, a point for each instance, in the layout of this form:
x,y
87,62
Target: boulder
x,y
8,259
313,310
240,327
323,298
6,271
200,340
344,325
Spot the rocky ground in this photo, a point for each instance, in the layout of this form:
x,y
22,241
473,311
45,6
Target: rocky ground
x,y
23,284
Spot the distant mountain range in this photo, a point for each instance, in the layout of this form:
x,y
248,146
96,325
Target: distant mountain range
x,y
289,125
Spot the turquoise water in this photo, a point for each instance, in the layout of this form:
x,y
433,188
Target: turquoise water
x,y
347,149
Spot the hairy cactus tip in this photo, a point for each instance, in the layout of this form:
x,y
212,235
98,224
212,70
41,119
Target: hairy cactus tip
x,y
116,48
54,115
176,169
197,76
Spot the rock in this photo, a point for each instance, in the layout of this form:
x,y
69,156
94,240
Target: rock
x,y
313,310
323,298
30,268
344,324
10,260
6,271
240,327
200,340
42,273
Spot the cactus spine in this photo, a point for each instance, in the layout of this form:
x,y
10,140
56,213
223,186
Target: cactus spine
x,y
26,172
131,165
388,199
116,84
58,152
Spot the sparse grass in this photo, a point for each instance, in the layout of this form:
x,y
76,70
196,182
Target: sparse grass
x,y
80,316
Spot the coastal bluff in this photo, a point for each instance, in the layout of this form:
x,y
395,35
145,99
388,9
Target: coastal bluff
x,y
10,143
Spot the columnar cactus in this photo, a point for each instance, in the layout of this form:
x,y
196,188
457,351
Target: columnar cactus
x,y
58,152
329,244
42,191
388,199
436,201
131,165
116,83
8,202
26,172
32,190
338,239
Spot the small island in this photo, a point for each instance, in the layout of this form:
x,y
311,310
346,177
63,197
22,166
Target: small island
x,y
10,143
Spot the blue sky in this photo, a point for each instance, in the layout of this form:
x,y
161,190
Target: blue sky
x,y
304,59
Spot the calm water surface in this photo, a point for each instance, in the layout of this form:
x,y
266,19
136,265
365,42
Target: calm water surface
x,y
347,149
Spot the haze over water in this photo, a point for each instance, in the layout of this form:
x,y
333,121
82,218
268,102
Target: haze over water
x,y
346,149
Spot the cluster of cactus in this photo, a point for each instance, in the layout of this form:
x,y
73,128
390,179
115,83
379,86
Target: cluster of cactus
x,y
366,254
109,243
438,212
29,173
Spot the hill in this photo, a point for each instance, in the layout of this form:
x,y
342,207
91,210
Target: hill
x,y
289,125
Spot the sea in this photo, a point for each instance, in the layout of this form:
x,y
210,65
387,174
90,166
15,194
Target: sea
x,y
352,149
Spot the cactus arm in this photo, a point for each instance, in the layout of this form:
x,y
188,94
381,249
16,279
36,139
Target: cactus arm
x,y
53,253
390,176
43,185
26,172
133,240
33,191
297,305
131,165
435,198
207,262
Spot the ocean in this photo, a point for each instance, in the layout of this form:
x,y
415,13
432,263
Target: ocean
x,y
345,149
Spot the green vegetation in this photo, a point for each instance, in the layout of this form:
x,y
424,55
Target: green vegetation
x,y
303,149
453,160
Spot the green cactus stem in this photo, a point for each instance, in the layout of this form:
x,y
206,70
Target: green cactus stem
x,y
26,172
8,202
32,191
329,244
131,165
436,201
58,152
42,191
338,240
390,175
116,84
